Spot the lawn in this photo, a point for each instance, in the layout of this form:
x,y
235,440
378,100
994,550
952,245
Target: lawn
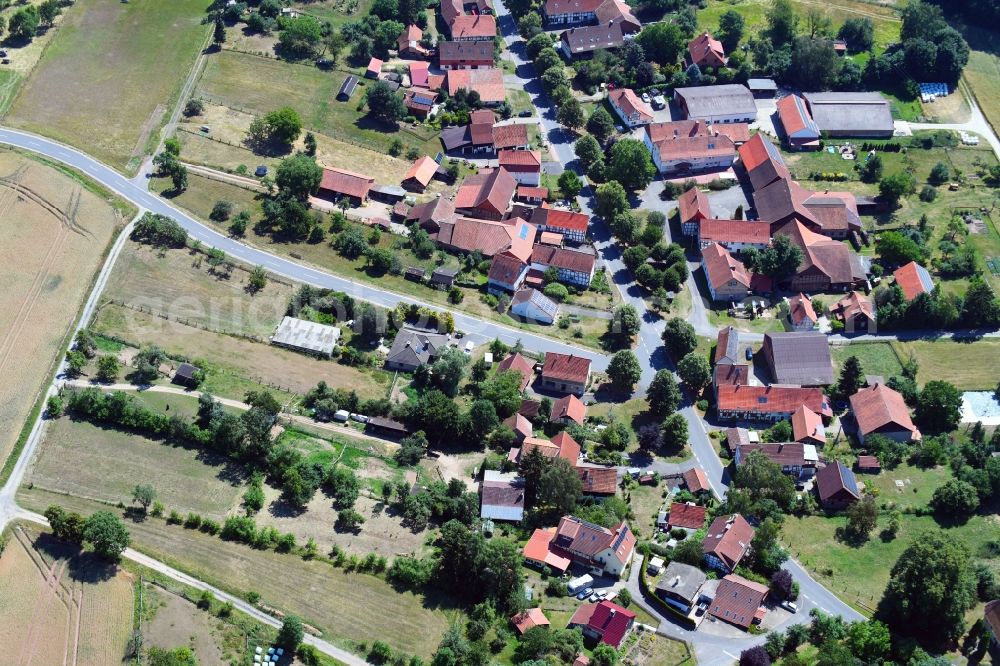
x,y
858,575
57,230
770,323
85,460
983,71
109,79
966,364
917,484
877,358
60,606
344,606
179,284
259,85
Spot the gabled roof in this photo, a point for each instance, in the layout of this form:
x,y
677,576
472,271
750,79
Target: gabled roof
x,y
737,600
630,104
502,490
563,258
593,37
771,399
721,267
611,622
598,480
914,280
519,160
432,213
511,135
556,7
528,295
781,198
489,238
569,407
734,231
533,617
422,170
861,112
796,119
467,50
854,304
687,515
807,426
823,255
566,367
375,66
520,365
762,161
727,346
794,454
561,445
696,147
878,406
835,478
728,538
694,205
682,581
540,549
706,50
696,480
476,26
506,268
618,12
491,191
801,359
588,540
345,182
487,81
800,309
520,425
560,219
720,100
418,73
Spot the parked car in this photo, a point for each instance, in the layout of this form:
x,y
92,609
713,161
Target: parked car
x,y
749,353
595,597
645,97
360,418
790,606
659,102
602,595
524,114
468,347
585,593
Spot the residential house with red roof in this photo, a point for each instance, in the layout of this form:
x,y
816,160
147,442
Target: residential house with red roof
x,y
565,373
420,175
762,162
561,446
796,459
734,235
706,51
506,274
465,54
572,266
522,366
579,12
604,551
419,74
630,108
463,234
836,486
727,542
419,101
567,410
686,515
689,146
529,619
856,311
541,551
488,195
768,403
694,207
602,481
511,137
914,280
827,264
473,28
801,313
605,621
801,131
524,165
487,82
807,427
430,215
409,45
572,226
696,481
878,409
738,601
727,278
532,195
522,430
340,183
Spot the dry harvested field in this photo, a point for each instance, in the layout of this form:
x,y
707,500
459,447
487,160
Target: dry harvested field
x,y
55,235
178,283
110,75
57,607
83,459
23,57
261,362
343,605
177,622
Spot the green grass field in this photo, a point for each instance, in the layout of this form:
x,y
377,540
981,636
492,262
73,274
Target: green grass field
x,y
917,484
344,606
967,365
89,461
983,71
877,358
110,77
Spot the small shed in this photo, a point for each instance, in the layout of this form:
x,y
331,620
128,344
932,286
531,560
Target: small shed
x,y
347,88
391,194
383,426
551,238
415,273
762,88
869,465
374,69
186,375
444,276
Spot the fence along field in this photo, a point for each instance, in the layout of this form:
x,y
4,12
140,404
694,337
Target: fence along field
x,y
59,607
55,234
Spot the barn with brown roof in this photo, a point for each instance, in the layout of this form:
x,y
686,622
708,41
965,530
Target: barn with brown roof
x,y
878,409
768,403
338,183
836,486
463,234
565,373
487,195
420,174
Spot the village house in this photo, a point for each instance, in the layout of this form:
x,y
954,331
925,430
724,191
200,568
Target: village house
x,y
807,427
800,359
795,459
706,51
696,481
524,165
465,55
506,274
578,12
430,215
801,314
768,403
529,619
688,146
409,45
680,586
581,42
856,311
412,348
913,279
420,175
827,264
572,266
727,542
836,486
565,373
532,304
727,278
738,601
568,410
487,82
686,515
489,238
562,446
604,621
694,207
419,101
517,363
572,226
630,108
598,481
801,131
734,235
474,28
604,551
878,409
728,103
488,195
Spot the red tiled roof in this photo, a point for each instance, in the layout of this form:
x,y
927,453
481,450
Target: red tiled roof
x,y
721,267
738,600
344,182
563,367
687,515
563,447
913,279
616,11
762,161
488,82
781,453
519,424
568,448
490,191
734,231
526,192
694,204
483,26
558,257
520,160
520,365
821,254
807,426
513,136
556,7
771,399
569,407
796,119
375,66
611,622
418,74
695,480
533,617
730,373
695,147
853,304
707,51
505,269
422,170
728,538
737,132
879,406
835,479
598,480
561,219
801,308
868,462
540,549
630,104
490,238
550,238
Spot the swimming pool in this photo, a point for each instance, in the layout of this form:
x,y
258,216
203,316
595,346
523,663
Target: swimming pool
x,y
980,406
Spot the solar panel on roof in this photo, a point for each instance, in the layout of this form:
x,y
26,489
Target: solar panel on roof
x,y
524,232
